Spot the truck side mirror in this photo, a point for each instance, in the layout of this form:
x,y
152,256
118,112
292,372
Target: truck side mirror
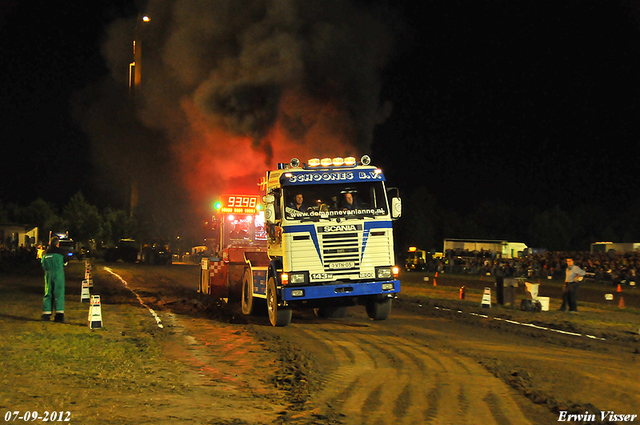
x,y
396,202
396,208
270,210
270,214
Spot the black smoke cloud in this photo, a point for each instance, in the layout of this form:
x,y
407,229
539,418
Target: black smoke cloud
x,y
233,61
235,58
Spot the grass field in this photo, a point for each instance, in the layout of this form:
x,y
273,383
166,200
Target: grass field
x,y
49,366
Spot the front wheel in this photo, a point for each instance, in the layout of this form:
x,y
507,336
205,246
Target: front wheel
x,y
278,316
379,310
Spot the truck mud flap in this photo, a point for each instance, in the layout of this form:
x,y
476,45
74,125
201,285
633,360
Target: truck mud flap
x,y
260,281
218,278
205,278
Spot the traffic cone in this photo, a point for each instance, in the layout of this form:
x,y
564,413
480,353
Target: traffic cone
x,y
619,288
621,304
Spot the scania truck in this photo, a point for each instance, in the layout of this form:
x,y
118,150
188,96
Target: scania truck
x,y
327,243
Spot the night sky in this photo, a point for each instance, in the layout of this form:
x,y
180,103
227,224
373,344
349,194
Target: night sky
x,y
530,103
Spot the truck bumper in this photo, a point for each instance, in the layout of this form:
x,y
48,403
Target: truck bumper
x,y
300,293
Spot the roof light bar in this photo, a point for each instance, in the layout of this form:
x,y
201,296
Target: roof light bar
x,y
338,161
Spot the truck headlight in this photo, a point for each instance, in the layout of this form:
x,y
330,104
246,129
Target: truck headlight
x,y
296,278
387,286
383,273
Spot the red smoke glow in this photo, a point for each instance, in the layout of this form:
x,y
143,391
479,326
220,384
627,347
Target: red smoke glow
x,y
213,162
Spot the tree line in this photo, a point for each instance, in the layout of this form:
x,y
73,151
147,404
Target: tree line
x,y
426,224
84,222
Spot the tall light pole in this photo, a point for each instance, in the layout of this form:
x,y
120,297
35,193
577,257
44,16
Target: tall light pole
x,y
135,67
135,77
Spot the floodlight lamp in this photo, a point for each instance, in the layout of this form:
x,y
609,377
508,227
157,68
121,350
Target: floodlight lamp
x,y
365,160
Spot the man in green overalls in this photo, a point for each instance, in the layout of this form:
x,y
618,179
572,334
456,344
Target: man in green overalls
x,y
53,265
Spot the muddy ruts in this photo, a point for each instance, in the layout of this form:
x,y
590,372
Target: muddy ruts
x,y
382,379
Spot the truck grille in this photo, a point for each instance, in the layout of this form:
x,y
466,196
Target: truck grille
x,y
341,253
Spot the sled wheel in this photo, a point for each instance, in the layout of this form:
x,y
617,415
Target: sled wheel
x,y
379,310
278,316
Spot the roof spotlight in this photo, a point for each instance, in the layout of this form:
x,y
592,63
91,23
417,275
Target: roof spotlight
x,y
365,160
325,162
294,163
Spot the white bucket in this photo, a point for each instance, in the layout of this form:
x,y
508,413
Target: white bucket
x,y
532,288
544,303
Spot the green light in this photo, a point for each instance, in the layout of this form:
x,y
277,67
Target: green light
x,y
258,207
217,205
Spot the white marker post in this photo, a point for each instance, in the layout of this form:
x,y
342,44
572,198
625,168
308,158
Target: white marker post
x,y
486,297
85,295
87,273
95,313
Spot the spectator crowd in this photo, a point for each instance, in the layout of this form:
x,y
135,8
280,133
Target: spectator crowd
x,y
608,267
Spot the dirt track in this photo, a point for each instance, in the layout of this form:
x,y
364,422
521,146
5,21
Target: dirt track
x,y
426,364
432,361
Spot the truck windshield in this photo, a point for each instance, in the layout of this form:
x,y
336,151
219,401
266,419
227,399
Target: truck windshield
x,y
326,201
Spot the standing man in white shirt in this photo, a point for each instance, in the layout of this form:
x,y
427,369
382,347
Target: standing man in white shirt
x,y
573,277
